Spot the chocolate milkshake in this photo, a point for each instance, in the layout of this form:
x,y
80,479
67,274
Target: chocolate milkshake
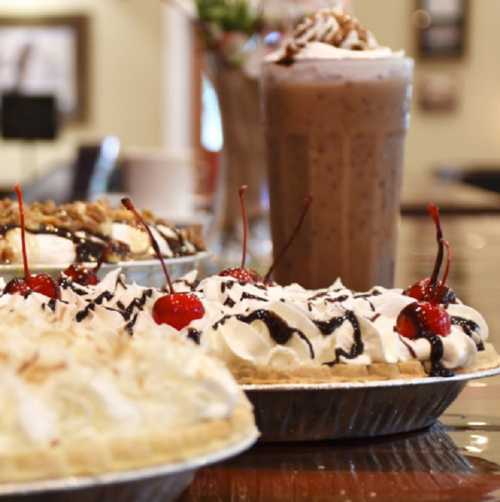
x,y
336,114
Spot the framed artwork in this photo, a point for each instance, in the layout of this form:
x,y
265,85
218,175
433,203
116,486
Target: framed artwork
x,y
441,28
46,56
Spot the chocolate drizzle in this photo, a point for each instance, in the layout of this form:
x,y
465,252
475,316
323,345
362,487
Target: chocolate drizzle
x,y
317,296
436,343
90,307
365,296
195,335
249,296
226,285
129,327
437,350
137,303
279,330
66,283
338,299
470,328
52,304
229,302
327,328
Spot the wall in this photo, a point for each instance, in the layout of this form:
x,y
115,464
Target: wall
x,y
473,131
125,79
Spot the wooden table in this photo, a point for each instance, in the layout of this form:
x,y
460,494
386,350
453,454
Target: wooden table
x,y
458,461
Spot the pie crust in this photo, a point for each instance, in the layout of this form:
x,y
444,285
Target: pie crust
x,y
83,456
246,373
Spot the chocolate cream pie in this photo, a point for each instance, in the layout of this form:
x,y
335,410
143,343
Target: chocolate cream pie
x,y
88,232
81,396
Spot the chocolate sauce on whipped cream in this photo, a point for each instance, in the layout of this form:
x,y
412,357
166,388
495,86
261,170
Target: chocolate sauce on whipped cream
x,y
437,348
327,328
279,330
469,327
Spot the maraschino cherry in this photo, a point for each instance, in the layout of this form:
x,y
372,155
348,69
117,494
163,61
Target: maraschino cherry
x,y
83,275
175,309
242,274
40,283
421,319
286,247
432,289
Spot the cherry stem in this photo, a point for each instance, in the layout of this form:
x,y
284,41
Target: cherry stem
x,y
449,256
244,217
127,203
433,210
284,249
19,194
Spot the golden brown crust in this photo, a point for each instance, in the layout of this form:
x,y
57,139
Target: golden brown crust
x,y
101,455
249,374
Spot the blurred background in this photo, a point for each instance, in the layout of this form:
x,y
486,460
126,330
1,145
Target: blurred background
x,y
101,97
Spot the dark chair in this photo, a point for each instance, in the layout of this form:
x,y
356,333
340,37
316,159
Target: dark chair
x,y
93,173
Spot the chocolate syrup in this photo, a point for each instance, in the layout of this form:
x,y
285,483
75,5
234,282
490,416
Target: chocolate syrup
x,y
105,295
317,296
226,285
137,303
408,346
66,283
278,328
249,296
229,302
469,327
82,314
327,328
365,296
437,348
338,299
52,304
130,325
195,335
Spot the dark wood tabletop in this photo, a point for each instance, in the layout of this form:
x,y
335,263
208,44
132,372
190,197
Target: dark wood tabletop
x,y
457,460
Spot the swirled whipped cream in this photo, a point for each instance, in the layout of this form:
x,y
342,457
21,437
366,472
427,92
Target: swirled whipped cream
x,y
68,380
330,34
291,327
286,327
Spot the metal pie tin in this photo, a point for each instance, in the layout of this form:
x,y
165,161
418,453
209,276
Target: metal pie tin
x,y
153,484
143,272
314,412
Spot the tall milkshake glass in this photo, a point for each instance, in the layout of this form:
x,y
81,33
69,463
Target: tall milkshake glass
x,y
335,129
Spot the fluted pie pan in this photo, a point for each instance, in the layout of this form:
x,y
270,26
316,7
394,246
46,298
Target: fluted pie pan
x,y
162,483
342,410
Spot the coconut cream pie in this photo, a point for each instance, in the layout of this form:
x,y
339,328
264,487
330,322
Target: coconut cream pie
x,y
80,395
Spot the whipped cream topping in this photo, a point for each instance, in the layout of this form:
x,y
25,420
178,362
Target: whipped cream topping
x,y
284,327
67,380
274,326
330,34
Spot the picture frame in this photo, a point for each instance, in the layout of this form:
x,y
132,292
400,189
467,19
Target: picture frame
x,y
441,28
47,56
